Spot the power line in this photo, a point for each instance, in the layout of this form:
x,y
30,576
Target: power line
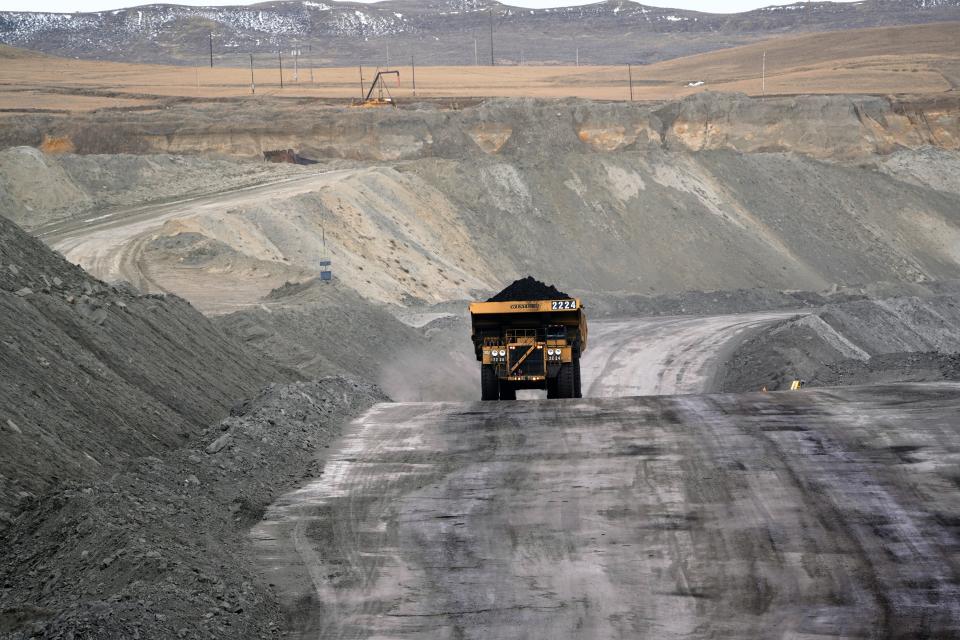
x,y
763,74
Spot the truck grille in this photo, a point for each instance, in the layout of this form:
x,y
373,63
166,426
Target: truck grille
x,y
532,366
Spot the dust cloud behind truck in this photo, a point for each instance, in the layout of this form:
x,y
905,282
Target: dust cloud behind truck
x,y
529,336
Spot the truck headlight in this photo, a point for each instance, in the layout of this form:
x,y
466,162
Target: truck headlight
x,y
502,353
549,352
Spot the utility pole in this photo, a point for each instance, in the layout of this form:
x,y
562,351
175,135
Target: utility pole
x,y
413,74
211,49
388,55
296,64
578,56
363,92
490,11
630,79
253,85
763,74
476,58
280,57
310,53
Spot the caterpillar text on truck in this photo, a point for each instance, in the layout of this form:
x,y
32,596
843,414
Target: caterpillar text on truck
x,y
529,344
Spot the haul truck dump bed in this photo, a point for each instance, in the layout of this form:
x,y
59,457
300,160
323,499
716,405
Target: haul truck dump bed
x,y
529,344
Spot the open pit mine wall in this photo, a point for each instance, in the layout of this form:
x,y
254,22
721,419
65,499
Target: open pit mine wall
x,y
715,192
835,127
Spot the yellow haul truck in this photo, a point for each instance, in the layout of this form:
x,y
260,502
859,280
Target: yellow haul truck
x,y
529,344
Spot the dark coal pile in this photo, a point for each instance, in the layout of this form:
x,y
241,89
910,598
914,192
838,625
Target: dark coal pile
x,y
529,288
160,549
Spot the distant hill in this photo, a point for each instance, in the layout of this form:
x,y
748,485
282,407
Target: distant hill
x,y
902,59
437,31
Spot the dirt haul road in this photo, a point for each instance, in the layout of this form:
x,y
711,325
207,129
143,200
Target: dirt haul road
x,y
794,514
661,356
111,246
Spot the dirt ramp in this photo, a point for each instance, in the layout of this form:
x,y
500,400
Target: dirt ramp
x,y
37,188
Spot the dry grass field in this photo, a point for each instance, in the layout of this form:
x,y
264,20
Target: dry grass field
x,y
896,60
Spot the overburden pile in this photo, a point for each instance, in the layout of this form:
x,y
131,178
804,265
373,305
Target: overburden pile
x,y
529,288
125,494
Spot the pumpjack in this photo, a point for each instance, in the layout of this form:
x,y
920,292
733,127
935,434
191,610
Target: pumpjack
x,y
383,96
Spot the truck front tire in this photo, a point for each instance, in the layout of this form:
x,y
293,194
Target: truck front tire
x,y
489,385
507,391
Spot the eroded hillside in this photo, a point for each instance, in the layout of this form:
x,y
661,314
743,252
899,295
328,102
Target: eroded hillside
x,y
430,204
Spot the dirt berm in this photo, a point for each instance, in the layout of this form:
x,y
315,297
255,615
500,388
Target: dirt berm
x,y
859,342
124,499
321,328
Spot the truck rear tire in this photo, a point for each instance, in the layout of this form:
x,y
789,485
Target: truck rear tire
x,y
489,385
566,380
507,391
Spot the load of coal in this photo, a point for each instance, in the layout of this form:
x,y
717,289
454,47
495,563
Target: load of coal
x,y
529,288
